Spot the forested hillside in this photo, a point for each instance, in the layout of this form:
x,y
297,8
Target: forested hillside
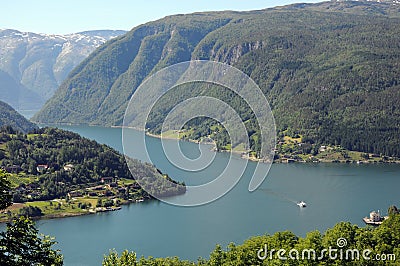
x,y
330,71
49,163
12,119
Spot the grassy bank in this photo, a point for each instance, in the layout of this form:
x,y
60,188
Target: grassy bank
x,y
60,208
292,149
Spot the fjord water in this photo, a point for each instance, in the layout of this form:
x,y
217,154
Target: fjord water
x,y
333,192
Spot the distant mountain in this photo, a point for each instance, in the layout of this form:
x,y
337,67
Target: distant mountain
x,y
17,95
32,65
330,70
10,117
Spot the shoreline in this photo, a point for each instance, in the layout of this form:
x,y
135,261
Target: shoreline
x,y
49,216
61,215
241,153
280,160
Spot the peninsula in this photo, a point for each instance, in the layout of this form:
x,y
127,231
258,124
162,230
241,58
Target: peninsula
x,y
57,173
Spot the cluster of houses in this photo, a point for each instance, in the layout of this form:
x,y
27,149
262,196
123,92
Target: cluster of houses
x,y
14,169
40,168
324,155
108,188
31,190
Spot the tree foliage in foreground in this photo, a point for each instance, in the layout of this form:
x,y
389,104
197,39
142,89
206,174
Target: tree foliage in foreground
x,y
382,241
5,195
20,243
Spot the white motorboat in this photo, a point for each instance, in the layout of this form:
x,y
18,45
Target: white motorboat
x,y
301,204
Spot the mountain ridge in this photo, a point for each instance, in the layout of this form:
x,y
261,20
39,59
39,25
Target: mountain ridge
x,y
11,118
310,60
38,63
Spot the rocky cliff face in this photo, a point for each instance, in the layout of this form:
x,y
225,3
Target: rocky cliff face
x,y
33,65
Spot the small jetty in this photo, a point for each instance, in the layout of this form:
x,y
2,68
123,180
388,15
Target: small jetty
x,y
104,209
374,218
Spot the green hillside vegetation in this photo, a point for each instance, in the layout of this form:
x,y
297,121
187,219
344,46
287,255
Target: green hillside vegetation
x,y
330,71
382,242
58,171
13,120
20,241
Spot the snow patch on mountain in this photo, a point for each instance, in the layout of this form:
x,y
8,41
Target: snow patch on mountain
x,y
40,62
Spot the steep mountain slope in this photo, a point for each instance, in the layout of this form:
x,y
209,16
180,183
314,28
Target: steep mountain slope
x,y
105,81
17,95
10,117
38,63
330,70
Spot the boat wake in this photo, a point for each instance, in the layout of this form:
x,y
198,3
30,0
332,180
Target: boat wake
x,y
279,195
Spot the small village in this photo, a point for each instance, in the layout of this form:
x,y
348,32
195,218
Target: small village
x,y
108,194
295,149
